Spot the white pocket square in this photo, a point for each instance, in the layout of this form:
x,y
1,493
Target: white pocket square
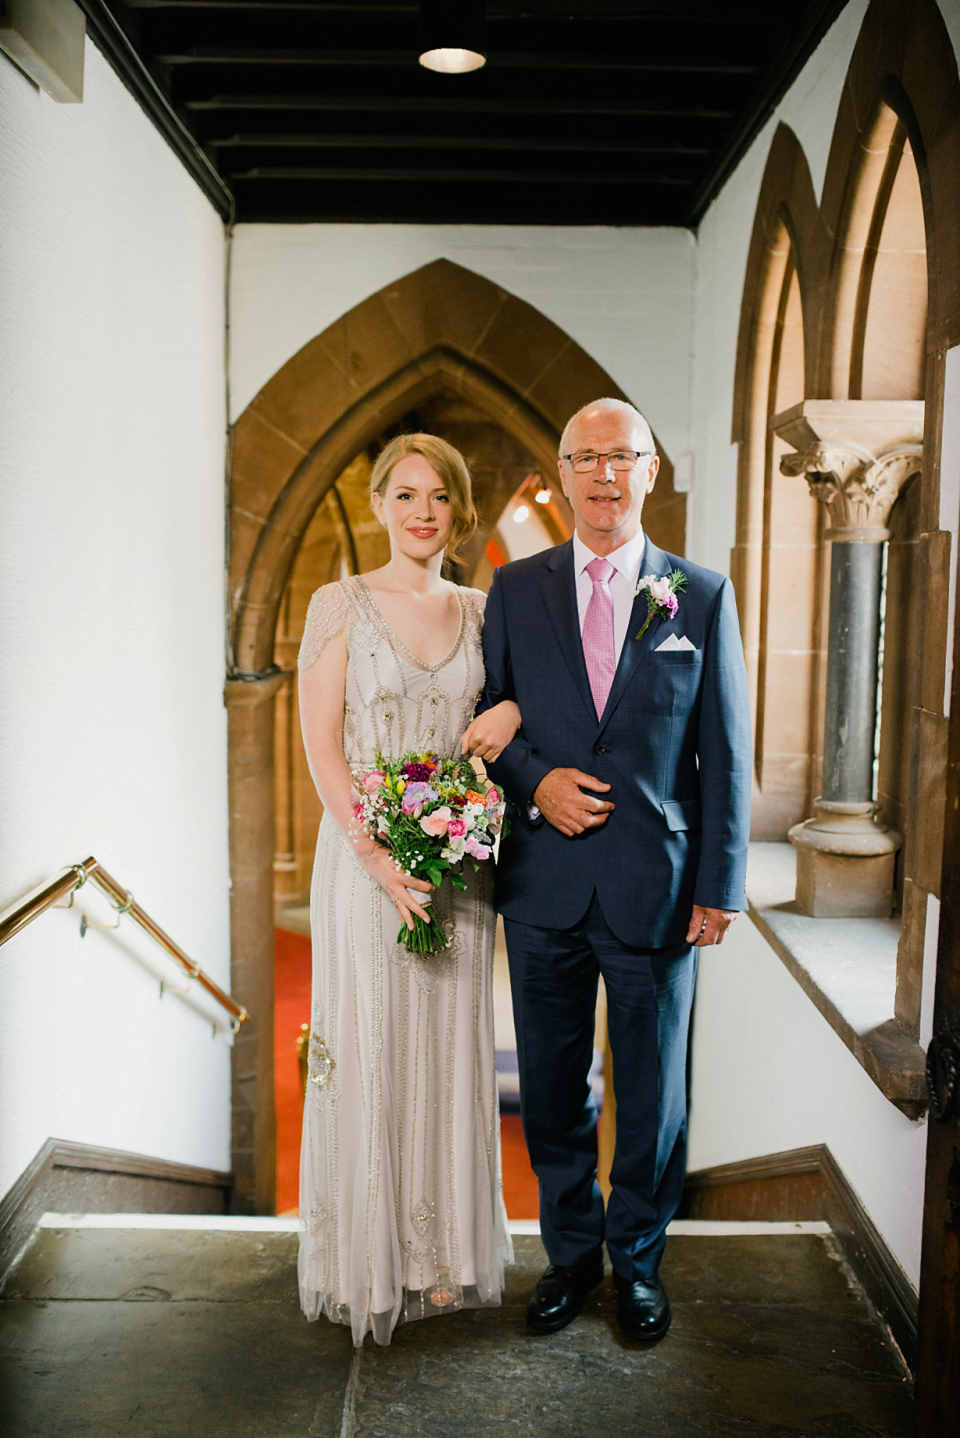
x,y
671,644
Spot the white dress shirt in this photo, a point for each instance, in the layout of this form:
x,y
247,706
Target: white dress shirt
x,y
626,561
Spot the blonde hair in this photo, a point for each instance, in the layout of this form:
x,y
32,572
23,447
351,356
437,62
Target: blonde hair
x,y
450,467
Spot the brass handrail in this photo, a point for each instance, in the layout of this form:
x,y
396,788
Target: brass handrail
x,y
74,878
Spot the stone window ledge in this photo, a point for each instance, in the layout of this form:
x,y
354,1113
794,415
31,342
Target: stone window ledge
x,y
848,967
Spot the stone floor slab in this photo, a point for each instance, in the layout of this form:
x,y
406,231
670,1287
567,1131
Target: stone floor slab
x,y
169,1370
116,1263
169,1334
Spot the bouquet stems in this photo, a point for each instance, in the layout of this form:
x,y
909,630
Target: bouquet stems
x,y
424,937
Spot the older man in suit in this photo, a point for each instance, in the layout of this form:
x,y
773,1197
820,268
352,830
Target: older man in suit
x,y
630,778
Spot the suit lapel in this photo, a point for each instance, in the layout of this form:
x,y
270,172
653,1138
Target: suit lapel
x,y
559,587
634,650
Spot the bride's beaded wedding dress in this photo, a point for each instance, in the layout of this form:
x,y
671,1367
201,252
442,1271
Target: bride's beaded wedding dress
x,y
401,1212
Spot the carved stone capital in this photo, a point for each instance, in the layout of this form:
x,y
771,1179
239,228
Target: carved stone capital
x,y
857,489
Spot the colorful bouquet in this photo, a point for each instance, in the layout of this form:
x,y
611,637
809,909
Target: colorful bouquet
x,y
432,815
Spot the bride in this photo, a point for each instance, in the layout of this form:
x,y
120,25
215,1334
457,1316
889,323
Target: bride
x,y
401,1211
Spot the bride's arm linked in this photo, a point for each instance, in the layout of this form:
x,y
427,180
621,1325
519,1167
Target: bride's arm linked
x,y
486,736
323,681
489,734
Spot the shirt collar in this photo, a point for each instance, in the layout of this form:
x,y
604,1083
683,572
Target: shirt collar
x,y
626,560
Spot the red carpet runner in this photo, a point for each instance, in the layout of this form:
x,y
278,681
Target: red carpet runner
x,y
291,1009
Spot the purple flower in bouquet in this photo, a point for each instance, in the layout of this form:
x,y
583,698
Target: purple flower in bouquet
x,y
415,795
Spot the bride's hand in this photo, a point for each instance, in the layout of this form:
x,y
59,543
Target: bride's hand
x,y
492,731
381,866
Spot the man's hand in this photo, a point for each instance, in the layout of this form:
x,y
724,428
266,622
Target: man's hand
x,y
560,798
708,926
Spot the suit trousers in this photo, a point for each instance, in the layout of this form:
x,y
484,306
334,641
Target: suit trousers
x,y
554,978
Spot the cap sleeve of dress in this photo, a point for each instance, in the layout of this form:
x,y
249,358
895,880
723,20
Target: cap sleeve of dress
x,y
326,617
475,602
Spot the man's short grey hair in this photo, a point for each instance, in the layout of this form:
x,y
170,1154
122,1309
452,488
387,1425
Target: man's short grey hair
x,y
615,404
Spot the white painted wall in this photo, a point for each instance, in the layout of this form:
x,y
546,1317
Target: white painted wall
x,y
112,726
769,1074
625,295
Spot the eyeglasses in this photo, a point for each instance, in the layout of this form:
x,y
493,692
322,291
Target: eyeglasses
x,y
585,461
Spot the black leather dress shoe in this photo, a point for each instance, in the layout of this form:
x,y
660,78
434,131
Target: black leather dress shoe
x,y
643,1309
560,1294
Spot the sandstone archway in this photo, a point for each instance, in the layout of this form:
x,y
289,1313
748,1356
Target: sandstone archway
x,y
442,328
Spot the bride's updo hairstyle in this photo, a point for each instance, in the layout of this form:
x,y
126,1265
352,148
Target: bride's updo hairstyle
x,y
450,467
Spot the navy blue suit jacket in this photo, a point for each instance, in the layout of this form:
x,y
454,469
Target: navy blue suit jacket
x,y
673,742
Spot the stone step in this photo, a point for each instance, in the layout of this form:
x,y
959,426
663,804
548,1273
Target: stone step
x,y
109,1326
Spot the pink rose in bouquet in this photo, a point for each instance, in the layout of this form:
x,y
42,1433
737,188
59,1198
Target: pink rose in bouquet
x,y
436,824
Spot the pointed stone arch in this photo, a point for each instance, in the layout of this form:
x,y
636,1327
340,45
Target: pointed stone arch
x,y
441,328
904,60
780,318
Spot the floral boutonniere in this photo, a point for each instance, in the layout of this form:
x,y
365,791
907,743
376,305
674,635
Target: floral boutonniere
x,y
661,596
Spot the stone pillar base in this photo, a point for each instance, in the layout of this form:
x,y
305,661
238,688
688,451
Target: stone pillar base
x,y
845,862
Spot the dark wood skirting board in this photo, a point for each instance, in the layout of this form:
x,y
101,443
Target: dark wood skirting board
x,y
808,1183
83,1178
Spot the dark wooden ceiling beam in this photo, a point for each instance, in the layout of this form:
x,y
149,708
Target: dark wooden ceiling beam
x,y
405,175
480,105
534,144
392,38
359,202
488,127
725,93
399,60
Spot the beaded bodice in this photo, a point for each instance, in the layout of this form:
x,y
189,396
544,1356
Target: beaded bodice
x,y
394,702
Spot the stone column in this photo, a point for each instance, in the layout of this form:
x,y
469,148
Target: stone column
x,y
285,859
250,713
856,456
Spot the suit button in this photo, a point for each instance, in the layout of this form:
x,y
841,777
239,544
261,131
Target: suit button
x,y
599,749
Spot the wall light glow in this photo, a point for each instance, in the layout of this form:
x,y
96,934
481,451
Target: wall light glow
x,y
521,513
450,61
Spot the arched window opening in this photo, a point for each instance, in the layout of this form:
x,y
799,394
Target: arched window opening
x,y
788,660
887,358
886,341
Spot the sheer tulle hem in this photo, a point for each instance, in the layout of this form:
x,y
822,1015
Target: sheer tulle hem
x,y
415,1304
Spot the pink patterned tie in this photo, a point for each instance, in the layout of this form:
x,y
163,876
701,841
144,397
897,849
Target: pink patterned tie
x,y
599,649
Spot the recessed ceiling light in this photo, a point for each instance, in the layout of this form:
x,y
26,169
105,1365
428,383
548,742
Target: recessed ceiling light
x,y
453,35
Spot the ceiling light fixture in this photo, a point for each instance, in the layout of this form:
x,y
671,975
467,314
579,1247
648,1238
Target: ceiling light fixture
x,y
453,35
542,495
521,513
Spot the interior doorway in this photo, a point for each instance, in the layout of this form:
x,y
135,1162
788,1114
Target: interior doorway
x,y
522,512
492,373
